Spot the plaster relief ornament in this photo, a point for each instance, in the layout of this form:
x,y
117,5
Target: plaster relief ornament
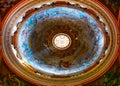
x,y
60,42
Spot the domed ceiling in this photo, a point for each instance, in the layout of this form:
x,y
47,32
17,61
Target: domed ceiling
x,y
38,33
55,42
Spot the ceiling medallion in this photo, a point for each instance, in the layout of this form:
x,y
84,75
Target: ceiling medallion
x,y
61,41
56,42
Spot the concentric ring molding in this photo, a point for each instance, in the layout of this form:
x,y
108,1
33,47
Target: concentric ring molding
x,y
15,15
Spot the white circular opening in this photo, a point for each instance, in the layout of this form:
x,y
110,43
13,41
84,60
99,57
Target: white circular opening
x,y
61,41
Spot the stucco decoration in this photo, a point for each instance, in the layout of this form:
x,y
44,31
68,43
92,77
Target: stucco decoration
x,y
55,42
